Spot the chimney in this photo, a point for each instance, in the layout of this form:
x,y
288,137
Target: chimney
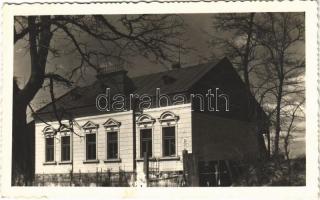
x,y
114,77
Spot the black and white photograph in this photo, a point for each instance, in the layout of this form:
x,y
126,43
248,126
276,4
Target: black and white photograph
x,y
159,100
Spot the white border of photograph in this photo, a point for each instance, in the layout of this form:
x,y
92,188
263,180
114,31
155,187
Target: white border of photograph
x,y
310,191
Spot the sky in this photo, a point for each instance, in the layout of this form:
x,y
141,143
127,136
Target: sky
x,y
197,28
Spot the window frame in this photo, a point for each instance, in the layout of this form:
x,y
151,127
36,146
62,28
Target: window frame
x,y
109,142
90,128
66,134
163,141
140,141
112,125
169,119
49,132
86,144
145,121
53,149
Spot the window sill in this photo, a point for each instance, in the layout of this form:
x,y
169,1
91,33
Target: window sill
x,y
50,163
65,162
141,159
170,158
90,161
113,160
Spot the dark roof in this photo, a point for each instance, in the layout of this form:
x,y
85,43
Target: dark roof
x,y
171,81
182,79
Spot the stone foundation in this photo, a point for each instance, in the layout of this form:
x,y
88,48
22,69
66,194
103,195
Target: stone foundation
x,y
109,179
104,179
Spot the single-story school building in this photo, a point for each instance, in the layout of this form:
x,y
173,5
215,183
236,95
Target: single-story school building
x,y
193,124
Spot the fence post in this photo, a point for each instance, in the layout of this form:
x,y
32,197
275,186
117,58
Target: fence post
x,y
109,177
97,176
185,166
71,178
146,167
101,174
43,179
80,178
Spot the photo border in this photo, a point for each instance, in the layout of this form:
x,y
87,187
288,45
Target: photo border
x,y
310,191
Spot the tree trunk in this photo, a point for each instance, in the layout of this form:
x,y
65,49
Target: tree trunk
x,y
22,145
278,119
247,53
21,153
250,108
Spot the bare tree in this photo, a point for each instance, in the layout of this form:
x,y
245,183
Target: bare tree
x,y
281,34
292,116
91,39
236,38
264,46
236,41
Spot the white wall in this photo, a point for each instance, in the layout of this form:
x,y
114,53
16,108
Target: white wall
x,y
125,140
183,139
125,146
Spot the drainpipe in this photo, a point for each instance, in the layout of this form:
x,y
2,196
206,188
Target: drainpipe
x,y
134,139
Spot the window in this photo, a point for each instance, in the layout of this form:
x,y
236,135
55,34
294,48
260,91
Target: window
x,y
112,128
65,148
112,140
169,141
91,146
145,124
169,121
91,130
146,142
49,149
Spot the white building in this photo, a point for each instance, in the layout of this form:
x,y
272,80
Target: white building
x,y
106,147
